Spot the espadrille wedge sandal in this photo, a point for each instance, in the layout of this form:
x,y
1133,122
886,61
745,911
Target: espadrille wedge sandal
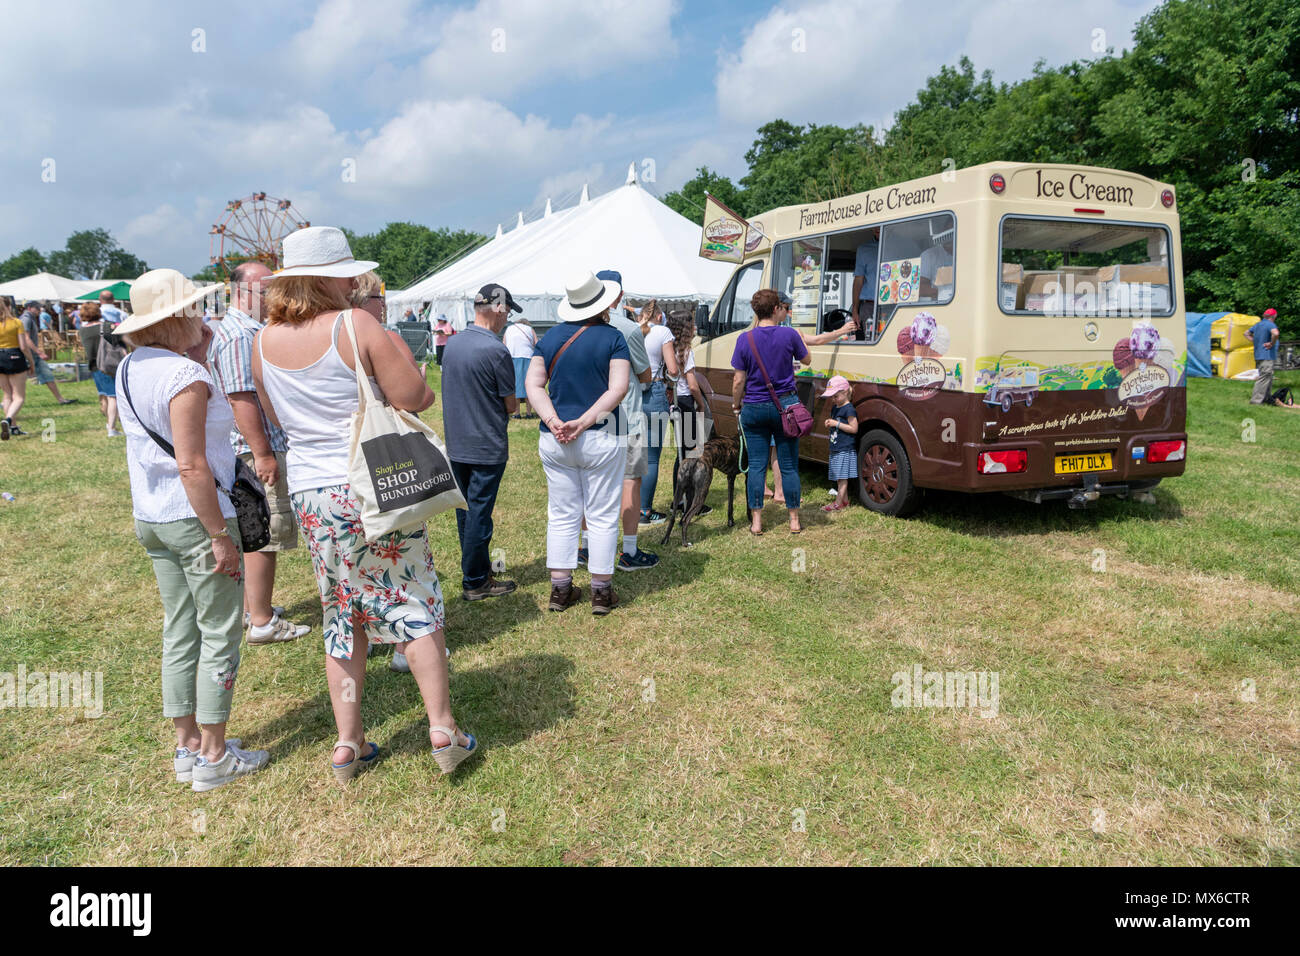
x,y
346,771
450,756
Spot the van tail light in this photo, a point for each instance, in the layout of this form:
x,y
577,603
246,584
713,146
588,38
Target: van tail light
x,y
1003,462
997,183
1167,197
1166,451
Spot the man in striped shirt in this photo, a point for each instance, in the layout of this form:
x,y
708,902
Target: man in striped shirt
x,y
260,443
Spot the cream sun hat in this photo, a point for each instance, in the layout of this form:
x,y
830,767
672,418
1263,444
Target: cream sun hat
x,y
160,294
585,296
320,251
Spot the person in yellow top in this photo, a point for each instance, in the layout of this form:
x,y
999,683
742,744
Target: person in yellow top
x,y
16,351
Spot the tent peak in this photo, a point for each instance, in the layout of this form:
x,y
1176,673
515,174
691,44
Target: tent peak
x,y
631,174
498,235
584,199
519,223
547,214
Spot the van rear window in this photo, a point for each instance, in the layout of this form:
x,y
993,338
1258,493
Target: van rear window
x,y
1079,267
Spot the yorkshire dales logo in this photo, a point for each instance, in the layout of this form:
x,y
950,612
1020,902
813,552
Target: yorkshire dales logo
x,y
723,233
924,341
921,377
1142,386
1146,362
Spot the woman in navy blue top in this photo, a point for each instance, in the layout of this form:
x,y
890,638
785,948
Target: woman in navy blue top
x,y
578,376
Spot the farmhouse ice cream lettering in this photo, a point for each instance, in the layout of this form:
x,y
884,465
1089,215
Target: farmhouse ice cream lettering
x,y
896,197
1078,186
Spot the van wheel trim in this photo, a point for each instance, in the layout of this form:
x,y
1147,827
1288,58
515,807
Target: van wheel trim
x,y
880,474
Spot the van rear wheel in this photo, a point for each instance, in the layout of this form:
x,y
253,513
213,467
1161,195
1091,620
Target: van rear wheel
x,y
885,475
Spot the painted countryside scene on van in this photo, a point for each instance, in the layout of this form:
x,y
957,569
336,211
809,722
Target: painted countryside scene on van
x,y
967,527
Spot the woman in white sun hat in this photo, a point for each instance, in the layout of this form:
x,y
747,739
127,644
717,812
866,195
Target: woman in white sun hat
x,y
179,457
577,378
386,589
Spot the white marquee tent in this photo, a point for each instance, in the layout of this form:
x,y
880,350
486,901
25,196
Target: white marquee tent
x,y
626,229
46,286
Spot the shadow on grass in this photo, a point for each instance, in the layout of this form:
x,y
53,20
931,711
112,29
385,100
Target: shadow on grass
x,y
501,706
998,515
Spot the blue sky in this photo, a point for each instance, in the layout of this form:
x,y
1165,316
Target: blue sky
x,y
148,116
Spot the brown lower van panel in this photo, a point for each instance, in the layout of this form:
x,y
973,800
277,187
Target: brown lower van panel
x,y
946,431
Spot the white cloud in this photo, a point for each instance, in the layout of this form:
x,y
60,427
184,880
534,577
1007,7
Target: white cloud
x,y
502,46
849,61
444,147
344,30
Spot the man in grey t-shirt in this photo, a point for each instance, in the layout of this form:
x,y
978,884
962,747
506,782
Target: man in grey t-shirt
x,y
478,396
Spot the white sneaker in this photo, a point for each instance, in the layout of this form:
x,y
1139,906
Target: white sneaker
x,y
209,775
276,611
114,433
184,760
399,663
276,631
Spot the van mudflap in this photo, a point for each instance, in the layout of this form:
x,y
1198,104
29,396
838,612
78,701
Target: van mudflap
x,y
1079,497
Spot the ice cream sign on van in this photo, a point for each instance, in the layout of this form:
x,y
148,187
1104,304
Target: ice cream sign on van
x,y
1063,185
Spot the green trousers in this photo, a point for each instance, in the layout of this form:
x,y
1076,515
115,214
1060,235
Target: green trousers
x,y
203,619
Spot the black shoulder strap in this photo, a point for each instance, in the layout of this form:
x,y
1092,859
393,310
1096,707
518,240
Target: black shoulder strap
x,y
162,443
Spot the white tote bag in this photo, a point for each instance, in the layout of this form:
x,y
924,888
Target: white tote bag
x,y
397,465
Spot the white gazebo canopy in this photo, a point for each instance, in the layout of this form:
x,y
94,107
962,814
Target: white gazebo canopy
x,y
627,229
50,287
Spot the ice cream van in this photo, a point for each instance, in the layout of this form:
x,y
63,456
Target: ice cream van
x,y
1020,329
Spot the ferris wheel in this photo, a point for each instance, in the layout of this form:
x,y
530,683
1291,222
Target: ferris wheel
x,y
253,228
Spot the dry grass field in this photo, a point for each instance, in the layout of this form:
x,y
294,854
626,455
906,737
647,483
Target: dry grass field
x,y
736,709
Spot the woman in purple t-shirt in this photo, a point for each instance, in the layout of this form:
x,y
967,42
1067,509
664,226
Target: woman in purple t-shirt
x,y
778,346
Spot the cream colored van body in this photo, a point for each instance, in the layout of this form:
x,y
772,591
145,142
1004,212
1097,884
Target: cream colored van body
x,y
1014,308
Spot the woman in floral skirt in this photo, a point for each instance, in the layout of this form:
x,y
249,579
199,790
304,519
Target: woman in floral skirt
x,y
386,589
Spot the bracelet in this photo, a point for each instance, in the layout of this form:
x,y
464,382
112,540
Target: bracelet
x,y
223,533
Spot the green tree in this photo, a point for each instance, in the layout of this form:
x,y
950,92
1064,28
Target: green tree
x,y
22,264
689,200
406,252
95,254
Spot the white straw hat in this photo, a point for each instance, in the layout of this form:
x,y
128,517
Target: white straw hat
x,y
320,251
587,296
160,294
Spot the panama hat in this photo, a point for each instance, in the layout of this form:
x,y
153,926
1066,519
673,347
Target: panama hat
x,y
160,294
585,296
320,251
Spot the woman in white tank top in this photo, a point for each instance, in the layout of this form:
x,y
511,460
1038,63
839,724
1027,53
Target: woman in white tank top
x,y
385,590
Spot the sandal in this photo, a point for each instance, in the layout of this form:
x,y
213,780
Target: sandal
x,y
450,756
345,772
756,534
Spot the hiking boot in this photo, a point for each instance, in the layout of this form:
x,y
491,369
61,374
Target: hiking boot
x,y
603,600
208,775
564,596
276,631
493,587
636,562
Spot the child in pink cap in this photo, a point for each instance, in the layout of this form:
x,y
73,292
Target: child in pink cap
x,y
842,426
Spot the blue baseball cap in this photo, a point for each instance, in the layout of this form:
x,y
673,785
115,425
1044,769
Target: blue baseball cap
x,y
612,276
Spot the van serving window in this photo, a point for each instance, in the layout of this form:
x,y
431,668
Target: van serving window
x,y
1078,267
